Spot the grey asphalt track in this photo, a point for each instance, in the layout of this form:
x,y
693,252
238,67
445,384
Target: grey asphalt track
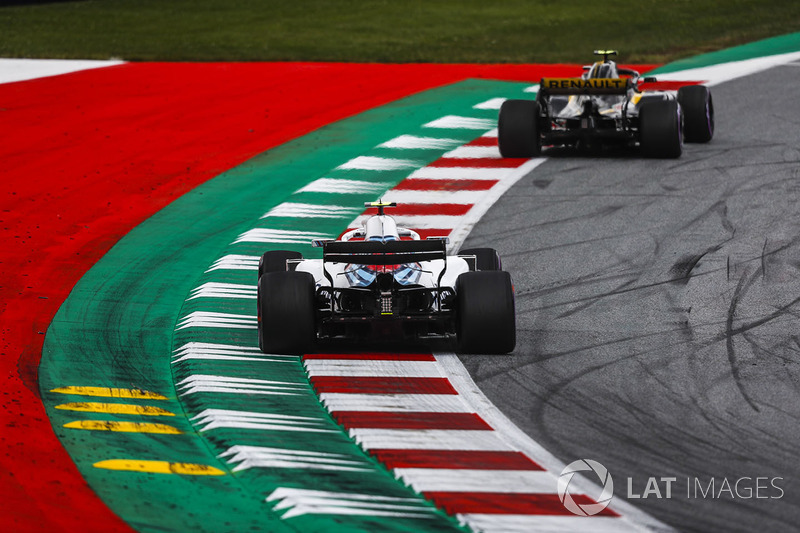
x,y
658,314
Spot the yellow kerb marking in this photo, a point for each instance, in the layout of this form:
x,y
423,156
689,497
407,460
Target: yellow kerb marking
x,y
160,467
111,393
115,408
128,427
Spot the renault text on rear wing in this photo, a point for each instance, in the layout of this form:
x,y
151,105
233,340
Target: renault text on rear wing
x,y
585,86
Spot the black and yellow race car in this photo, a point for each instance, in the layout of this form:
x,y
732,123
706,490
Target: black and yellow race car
x,y
606,106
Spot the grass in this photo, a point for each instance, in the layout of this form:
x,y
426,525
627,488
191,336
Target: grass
x,y
459,31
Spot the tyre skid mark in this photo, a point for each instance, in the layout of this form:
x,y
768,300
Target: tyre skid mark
x,y
730,350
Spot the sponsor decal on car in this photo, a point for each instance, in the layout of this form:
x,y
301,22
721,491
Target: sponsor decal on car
x,y
580,85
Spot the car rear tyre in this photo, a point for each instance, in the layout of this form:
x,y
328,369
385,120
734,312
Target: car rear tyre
x,y
517,129
660,131
286,313
485,317
275,261
258,305
486,258
698,113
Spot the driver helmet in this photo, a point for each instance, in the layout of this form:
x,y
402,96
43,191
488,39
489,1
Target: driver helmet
x,y
604,70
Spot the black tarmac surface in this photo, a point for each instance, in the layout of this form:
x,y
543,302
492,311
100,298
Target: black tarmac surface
x,y
658,314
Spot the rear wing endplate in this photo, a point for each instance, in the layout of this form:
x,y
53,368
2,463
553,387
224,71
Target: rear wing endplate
x,y
585,86
383,253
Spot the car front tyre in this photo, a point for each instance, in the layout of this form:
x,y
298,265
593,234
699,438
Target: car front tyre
x,y
275,261
698,113
485,258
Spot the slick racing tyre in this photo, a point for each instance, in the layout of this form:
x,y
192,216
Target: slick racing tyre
x,y
485,320
518,130
660,131
698,113
486,258
275,261
286,313
258,305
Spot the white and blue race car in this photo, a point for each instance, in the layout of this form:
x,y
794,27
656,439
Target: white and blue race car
x,y
382,282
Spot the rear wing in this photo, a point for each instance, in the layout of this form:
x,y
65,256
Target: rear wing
x,y
383,253
570,86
